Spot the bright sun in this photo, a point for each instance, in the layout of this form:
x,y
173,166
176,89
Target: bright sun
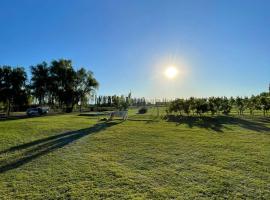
x,y
171,72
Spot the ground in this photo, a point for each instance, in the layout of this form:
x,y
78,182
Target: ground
x,y
82,157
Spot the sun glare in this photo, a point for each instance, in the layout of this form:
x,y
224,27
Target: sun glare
x,y
171,72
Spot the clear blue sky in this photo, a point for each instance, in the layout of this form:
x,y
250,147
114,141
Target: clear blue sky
x,y
219,47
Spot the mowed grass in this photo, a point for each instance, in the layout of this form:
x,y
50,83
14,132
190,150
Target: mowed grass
x,y
81,157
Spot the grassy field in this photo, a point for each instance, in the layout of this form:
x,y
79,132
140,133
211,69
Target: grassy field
x,y
81,157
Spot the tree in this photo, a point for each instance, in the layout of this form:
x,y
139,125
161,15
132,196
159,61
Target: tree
x,y
115,101
85,84
225,106
212,105
239,102
201,106
69,86
176,106
186,107
251,104
265,102
40,82
12,86
192,104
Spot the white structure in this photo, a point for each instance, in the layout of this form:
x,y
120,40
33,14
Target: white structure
x,y
122,114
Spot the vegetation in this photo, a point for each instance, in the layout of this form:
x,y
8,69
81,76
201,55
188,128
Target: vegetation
x,y
115,101
143,110
218,105
201,151
57,84
13,88
78,157
61,84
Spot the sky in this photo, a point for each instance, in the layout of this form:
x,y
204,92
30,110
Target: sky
x,y
219,48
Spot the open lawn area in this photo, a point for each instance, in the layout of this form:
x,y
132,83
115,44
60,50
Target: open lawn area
x,y
81,157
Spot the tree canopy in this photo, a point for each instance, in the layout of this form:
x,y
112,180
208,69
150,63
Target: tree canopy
x,y
57,83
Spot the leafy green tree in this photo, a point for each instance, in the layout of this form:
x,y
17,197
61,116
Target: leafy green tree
x,y
232,101
40,82
69,86
252,103
201,106
116,101
12,86
265,102
225,106
176,106
63,80
212,105
192,103
85,83
239,102
186,107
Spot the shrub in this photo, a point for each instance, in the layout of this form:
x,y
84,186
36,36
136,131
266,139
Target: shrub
x,y
143,110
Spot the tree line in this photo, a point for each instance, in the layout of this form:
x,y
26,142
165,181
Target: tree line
x,y
220,105
54,84
116,101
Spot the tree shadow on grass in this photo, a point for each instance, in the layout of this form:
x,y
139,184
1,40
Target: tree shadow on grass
x,y
94,114
141,120
264,119
217,123
40,147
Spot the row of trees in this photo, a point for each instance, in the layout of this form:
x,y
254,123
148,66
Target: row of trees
x,y
115,101
119,102
220,105
55,84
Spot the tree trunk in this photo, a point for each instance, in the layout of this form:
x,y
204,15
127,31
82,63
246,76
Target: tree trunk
x,y
8,108
80,104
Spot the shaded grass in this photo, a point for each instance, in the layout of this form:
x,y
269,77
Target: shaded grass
x,y
37,148
217,123
76,157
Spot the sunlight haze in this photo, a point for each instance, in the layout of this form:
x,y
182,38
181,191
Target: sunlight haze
x,y
225,46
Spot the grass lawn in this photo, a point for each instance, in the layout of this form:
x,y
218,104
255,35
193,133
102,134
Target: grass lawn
x,y
79,157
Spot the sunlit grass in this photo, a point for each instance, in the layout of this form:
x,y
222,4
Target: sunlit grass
x,y
140,158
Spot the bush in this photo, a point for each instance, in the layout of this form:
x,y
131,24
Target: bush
x,y
143,110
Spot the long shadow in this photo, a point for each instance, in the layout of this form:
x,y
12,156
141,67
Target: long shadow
x,y
24,116
37,148
140,120
93,114
217,123
264,119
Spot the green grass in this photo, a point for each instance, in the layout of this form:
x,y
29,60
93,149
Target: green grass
x,y
80,157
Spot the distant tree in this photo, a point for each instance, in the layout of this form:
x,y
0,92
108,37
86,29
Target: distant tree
x,y
252,104
181,106
109,101
115,101
225,106
265,102
123,105
192,103
239,102
213,107
201,106
232,101
186,107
